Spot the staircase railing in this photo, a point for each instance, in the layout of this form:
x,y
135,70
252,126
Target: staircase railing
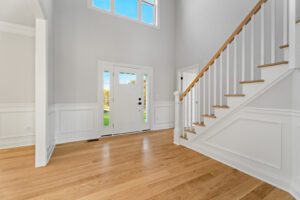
x,y
221,77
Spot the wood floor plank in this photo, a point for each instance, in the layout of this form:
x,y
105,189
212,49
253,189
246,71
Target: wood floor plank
x,y
133,167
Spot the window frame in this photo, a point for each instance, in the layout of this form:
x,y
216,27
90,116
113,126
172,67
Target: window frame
x,y
156,9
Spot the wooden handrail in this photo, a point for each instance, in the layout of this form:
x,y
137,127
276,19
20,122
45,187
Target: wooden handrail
x,y
228,41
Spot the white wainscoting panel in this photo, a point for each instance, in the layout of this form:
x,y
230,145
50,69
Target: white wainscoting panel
x,y
76,122
257,141
164,116
16,125
260,144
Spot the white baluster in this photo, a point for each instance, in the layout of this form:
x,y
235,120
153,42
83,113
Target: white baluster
x,y
201,97
228,70
235,65
292,34
204,94
196,102
262,35
185,112
188,110
215,83
273,31
285,22
191,108
244,53
252,48
221,79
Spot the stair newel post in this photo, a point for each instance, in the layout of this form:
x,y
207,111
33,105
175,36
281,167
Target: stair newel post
x,y
212,89
201,97
221,80
198,101
244,53
292,34
228,70
235,65
215,83
179,118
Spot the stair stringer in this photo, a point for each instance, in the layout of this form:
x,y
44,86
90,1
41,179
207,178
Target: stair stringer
x,y
273,163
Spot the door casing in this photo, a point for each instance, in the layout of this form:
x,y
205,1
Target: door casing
x,y
102,66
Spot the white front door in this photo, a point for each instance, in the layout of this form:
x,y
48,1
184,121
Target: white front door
x,y
128,100
124,103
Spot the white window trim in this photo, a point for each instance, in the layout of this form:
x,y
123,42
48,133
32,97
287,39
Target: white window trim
x,y
139,21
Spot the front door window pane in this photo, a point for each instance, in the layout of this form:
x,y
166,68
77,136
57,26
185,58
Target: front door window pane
x,y
106,98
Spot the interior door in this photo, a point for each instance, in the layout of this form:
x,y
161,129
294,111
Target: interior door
x,y
128,100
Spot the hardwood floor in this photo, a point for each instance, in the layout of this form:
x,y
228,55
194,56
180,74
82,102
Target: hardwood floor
x,y
133,167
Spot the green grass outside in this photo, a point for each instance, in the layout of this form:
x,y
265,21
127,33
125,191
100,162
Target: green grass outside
x,y
106,118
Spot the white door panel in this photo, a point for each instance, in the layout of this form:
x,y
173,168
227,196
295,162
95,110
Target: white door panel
x,y
128,95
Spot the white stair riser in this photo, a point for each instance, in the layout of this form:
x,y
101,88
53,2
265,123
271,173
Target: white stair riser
x,y
250,89
272,73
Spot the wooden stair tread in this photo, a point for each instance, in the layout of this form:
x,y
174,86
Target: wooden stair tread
x,y
209,116
234,95
200,124
273,64
284,46
254,81
298,21
221,107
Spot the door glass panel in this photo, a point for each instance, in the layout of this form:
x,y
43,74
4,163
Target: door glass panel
x,y
106,98
146,98
127,78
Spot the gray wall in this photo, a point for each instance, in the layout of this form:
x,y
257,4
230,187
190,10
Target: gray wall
x,y
16,68
199,33
84,36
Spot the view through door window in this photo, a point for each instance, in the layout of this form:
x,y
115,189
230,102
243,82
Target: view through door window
x,y
106,98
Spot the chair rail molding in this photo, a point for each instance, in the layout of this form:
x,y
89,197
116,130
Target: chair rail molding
x,y
17,29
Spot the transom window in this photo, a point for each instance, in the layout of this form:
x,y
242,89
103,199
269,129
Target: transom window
x,y
144,11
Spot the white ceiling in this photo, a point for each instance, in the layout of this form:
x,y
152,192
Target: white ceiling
x,y
16,11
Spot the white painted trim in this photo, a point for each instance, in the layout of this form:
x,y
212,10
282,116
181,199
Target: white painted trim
x,y
41,93
17,29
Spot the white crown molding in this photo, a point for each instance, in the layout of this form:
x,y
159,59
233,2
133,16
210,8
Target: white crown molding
x,y
17,29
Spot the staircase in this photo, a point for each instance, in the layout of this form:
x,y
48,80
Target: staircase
x,y
258,56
